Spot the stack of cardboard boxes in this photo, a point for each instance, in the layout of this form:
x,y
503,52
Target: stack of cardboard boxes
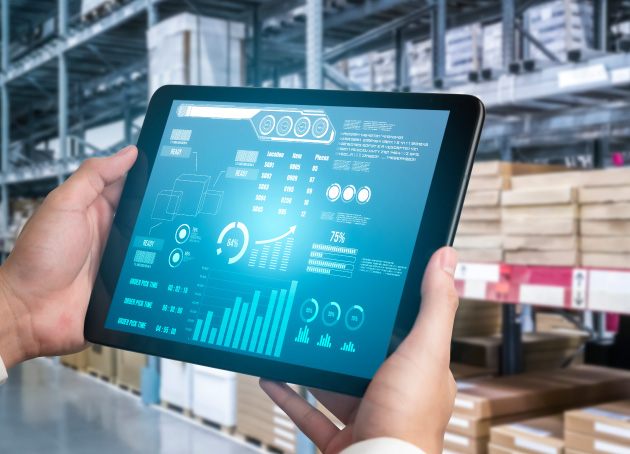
x,y
548,322
484,403
532,436
260,420
477,318
603,429
540,226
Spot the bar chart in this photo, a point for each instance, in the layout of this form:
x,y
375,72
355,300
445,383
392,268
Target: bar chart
x,y
242,328
302,336
324,341
348,347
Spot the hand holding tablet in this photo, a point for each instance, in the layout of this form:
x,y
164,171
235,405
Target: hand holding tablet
x,y
282,233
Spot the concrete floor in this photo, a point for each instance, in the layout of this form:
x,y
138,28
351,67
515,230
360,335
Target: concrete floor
x,y
47,408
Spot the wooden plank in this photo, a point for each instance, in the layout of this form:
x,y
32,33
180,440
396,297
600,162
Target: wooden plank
x,y
540,242
482,198
486,168
543,258
582,178
607,211
480,255
539,226
564,211
604,260
542,196
481,214
604,194
479,227
488,183
614,244
478,241
612,228
493,168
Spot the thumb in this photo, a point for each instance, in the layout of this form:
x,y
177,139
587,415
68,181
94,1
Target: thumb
x,y
86,184
434,326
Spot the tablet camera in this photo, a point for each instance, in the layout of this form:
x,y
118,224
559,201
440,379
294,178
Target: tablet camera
x,y
348,193
333,192
182,233
284,126
176,258
267,124
302,126
320,127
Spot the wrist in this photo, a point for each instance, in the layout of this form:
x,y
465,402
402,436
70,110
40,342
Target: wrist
x,y
14,322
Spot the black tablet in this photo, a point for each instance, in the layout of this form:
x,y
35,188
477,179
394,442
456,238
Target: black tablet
x,y
282,233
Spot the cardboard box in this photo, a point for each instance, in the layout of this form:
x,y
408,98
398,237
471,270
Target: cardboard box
x,y
543,258
604,194
604,260
102,360
609,422
511,169
541,242
590,445
542,196
605,228
613,244
465,445
534,436
129,368
214,395
460,371
581,178
176,383
539,226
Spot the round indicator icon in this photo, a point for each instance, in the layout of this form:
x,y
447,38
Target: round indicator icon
x,y
309,310
364,194
348,193
176,257
302,126
331,314
182,233
284,126
355,318
333,192
233,241
320,127
267,124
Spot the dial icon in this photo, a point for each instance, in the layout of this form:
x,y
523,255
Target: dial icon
x,y
182,233
302,126
284,126
267,124
348,193
176,257
320,127
233,241
333,192
309,310
355,318
364,194
331,314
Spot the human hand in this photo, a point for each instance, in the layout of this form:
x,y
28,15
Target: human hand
x,y
412,395
46,282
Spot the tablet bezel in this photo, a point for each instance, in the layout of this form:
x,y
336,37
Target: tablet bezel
x,y
437,229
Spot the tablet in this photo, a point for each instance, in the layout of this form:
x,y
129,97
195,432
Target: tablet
x,y
282,233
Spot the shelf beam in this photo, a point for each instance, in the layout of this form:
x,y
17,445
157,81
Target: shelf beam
x,y
314,44
438,36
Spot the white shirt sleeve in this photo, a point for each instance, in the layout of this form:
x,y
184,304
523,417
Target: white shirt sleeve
x,y
384,445
3,373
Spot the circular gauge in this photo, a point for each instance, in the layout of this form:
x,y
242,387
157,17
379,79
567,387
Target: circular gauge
x,y
182,233
364,194
267,124
331,314
355,318
320,127
233,241
309,310
348,193
176,257
284,126
333,192
302,126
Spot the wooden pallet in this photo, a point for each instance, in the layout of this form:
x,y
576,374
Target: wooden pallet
x,y
128,388
99,374
258,443
73,367
176,408
228,430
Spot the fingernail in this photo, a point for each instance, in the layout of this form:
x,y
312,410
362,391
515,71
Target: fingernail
x,y
448,260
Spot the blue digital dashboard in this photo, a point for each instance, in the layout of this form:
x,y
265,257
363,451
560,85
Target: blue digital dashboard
x,y
282,232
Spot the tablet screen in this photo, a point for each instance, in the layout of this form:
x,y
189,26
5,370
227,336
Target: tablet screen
x,y
282,232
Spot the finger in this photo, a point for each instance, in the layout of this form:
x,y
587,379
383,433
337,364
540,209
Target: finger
x,y
342,406
88,182
309,420
434,326
112,192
